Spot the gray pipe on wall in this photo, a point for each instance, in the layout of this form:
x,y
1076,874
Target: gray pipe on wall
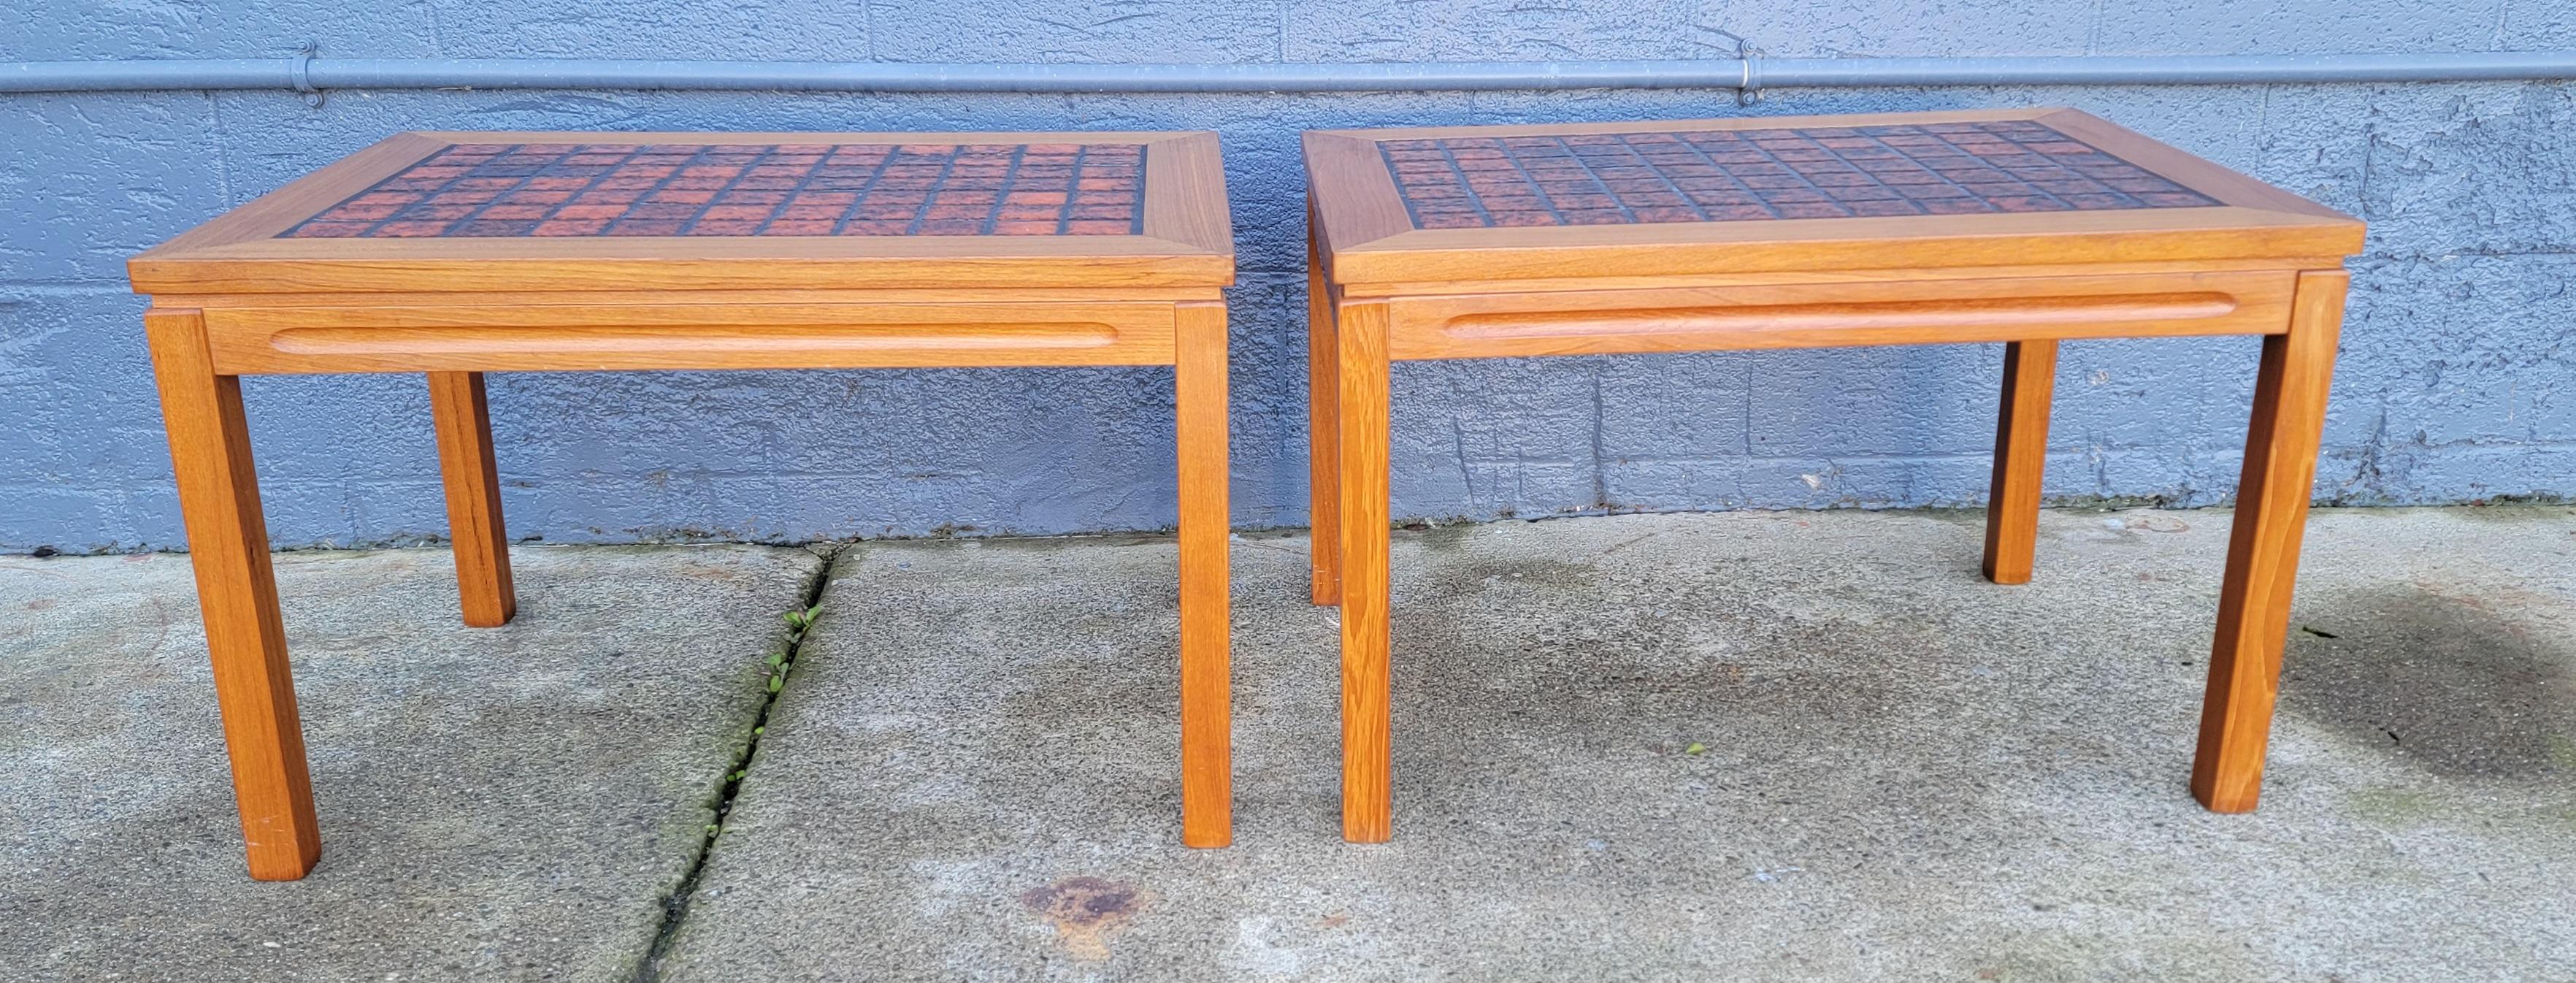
x,y
1751,74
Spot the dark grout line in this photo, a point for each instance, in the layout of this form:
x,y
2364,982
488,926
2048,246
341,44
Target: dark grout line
x,y
675,908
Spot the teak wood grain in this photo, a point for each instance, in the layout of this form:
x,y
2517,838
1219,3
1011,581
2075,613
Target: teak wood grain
x,y
1323,393
974,327
2021,455
1591,322
1809,277
233,297
1360,373
2214,253
2281,440
1200,386
1186,242
237,592
463,419
1371,239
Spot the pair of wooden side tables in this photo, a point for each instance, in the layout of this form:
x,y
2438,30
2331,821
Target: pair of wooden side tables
x,y
454,254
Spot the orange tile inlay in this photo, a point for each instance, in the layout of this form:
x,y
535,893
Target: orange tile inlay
x,y
1764,174
884,189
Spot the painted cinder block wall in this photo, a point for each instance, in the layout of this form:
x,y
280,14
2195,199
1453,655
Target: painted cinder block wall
x,y
2454,385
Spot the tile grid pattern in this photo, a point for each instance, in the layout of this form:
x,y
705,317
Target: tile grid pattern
x,y
576,190
1766,174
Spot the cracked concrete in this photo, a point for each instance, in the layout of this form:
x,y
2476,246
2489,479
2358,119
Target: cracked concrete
x,y
1903,772
1803,745
496,804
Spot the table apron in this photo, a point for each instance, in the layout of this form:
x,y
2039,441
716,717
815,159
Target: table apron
x,y
249,340
1824,315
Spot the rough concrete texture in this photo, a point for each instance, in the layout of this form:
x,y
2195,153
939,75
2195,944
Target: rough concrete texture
x,y
496,804
1733,746
2452,385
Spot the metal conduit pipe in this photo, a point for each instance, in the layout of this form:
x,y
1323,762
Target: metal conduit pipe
x,y
307,73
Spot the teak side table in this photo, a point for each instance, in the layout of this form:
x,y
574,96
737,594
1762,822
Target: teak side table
x,y
455,254
2023,226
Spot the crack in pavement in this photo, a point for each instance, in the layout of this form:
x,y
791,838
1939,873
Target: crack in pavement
x,y
675,908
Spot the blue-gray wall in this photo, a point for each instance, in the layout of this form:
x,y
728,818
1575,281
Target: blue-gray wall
x,y
2454,383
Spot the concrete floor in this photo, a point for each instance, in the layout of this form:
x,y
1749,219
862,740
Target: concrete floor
x,y
506,803
1735,746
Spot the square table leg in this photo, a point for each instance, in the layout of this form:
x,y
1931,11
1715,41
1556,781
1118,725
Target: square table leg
x,y
1324,466
2021,454
237,591
1361,377
464,424
1207,770
2263,549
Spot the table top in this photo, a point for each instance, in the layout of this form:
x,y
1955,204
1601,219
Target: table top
x,y
1885,191
618,211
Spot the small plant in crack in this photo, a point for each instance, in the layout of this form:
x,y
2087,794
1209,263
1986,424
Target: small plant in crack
x,y
783,662
780,662
798,621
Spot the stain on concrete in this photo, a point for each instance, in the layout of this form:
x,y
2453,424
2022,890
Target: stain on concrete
x,y
2393,806
2514,513
1471,575
1490,633
2154,522
1443,538
1984,778
1051,544
2046,956
2443,681
1086,911
1464,568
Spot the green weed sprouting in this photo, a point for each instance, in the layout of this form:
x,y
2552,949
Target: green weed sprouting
x,y
780,663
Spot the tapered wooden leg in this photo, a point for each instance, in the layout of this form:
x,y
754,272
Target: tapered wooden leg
x,y
228,545
1207,771
1361,414
2021,453
1323,462
464,424
2263,549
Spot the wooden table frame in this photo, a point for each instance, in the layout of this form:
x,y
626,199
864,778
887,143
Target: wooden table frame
x,y
232,299
2258,261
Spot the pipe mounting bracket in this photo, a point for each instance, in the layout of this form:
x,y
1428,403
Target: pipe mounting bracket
x,y
1749,91
299,73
